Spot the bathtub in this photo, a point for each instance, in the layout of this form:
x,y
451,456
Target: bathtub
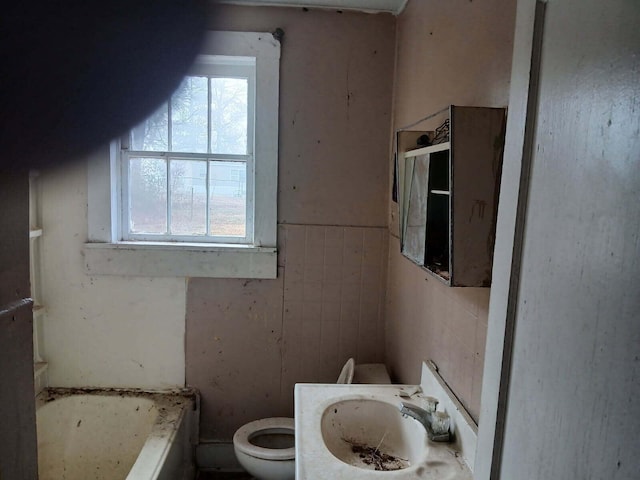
x,y
115,434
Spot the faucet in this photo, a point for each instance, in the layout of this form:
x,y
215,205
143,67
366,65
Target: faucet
x,y
439,433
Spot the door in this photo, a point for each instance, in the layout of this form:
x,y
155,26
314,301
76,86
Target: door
x,y
571,408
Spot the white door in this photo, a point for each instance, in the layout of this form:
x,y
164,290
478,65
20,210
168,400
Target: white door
x,y
572,396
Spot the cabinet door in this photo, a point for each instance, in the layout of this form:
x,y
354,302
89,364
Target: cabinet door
x,y
477,143
415,221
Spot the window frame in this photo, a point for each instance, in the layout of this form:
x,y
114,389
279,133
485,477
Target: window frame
x,y
209,66
107,252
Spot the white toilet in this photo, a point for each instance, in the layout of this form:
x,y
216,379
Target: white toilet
x,y
266,448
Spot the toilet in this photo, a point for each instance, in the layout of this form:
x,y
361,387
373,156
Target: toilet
x,y
266,448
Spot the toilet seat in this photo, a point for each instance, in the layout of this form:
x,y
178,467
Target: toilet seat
x,y
346,374
265,426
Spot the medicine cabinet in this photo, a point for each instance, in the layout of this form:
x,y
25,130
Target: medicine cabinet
x,y
448,194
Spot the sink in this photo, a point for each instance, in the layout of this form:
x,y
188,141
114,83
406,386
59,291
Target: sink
x,y
372,435
357,432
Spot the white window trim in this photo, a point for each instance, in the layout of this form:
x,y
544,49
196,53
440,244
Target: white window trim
x,y
106,254
238,67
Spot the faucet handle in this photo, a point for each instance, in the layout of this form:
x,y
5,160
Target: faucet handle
x,y
440,423
430,404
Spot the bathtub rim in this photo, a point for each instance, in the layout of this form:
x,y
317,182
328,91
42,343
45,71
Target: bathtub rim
x,y
171,420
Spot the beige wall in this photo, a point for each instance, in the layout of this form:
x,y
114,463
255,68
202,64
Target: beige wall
x,y
249,342
335,110
102,330
455,52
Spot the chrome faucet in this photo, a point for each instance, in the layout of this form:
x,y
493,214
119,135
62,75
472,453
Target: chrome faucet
x,y
437,433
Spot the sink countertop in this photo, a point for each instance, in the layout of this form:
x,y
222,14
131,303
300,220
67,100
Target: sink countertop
x,y
315,462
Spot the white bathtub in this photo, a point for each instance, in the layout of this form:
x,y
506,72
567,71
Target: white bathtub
x,y
115,435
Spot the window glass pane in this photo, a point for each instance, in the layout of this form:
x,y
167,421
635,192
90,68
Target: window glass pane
x,y
147,195
189,116
228,198
188,197
229,98
153,133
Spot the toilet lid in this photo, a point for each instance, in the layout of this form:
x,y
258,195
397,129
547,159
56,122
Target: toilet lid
x,y
346,375
265,426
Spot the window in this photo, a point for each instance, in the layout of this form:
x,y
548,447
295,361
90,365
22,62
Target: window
x,y
184,169
192,190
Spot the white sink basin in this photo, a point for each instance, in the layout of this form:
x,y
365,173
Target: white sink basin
x,y
373,435
357,432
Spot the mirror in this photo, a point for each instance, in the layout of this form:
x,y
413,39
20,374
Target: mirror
x,y
415,215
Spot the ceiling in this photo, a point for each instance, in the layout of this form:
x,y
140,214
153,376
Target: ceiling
x,y
392,6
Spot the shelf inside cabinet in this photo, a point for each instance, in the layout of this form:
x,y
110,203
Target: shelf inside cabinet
x,y
440,147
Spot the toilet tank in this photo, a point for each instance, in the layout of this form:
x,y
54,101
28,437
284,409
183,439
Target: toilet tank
x,y
371,373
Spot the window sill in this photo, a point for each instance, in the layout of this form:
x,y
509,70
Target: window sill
x,y
151,259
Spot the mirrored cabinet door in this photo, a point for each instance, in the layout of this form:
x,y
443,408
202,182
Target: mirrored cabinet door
x,y
415,223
